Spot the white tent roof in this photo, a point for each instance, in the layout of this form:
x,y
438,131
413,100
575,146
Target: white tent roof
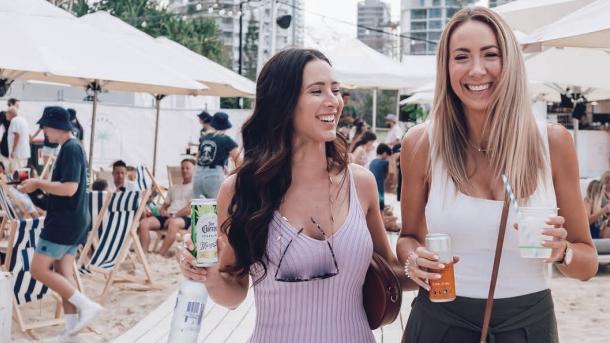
x,y
357,65
49,44
529,15
220,80
588,27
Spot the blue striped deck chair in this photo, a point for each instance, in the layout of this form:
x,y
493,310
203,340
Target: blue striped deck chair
x,y
116,232
145,180
23,240
98,205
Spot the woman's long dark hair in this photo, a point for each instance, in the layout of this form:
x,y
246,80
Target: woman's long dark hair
x,y
366,137
265,174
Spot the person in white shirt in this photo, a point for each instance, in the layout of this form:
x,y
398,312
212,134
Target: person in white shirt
x,y
18,139
119,177
395,134
175,212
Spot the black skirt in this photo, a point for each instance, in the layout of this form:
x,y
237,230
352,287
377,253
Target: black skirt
x,y
524,319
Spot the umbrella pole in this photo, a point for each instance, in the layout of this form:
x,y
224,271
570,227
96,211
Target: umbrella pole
x,y
94,86
158,99
374,110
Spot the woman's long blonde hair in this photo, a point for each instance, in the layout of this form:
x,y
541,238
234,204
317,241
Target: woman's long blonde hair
x,y
595,193
514,145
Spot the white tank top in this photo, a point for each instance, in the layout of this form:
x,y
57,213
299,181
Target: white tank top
x,y
473,224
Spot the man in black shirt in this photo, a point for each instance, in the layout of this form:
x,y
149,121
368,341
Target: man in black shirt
x,y
67,221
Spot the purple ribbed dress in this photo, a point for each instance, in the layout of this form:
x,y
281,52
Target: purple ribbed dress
x,y
326,310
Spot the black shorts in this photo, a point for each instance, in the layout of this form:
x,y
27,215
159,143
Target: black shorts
x,y
162,220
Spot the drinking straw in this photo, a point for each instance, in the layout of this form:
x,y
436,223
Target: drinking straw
x,y
509,190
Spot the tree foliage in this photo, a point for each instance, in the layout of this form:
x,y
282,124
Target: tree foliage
x,y
199,34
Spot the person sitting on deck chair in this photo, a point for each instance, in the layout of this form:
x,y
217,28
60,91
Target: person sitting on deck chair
x,y
175,212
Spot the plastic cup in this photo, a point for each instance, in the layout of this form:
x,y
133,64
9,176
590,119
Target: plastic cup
x,y
532,221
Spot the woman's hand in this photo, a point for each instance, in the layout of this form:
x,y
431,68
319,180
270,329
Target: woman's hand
x,y
419,265
559,234
189,268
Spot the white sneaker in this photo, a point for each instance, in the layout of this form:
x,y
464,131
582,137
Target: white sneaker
x,y
86,316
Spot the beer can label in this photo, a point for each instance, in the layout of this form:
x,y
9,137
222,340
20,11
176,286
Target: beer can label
x,y
204,231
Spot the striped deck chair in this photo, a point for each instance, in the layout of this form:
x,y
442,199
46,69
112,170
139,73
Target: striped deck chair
x,y
98,205
145,180
8,213
115,233
23,239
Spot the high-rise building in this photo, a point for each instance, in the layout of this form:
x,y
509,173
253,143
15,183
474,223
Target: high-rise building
x,y
226,13
496,3
293,36
376,14
423,21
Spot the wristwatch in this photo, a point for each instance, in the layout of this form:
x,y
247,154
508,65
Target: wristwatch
x,y
568,254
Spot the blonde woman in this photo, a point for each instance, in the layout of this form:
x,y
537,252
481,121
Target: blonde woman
x,y
598,214
481,127
605,180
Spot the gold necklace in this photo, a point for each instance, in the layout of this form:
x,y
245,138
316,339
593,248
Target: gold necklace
x,y
481,150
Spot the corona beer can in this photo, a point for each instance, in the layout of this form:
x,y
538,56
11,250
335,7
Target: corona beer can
x,y
443,289
204,231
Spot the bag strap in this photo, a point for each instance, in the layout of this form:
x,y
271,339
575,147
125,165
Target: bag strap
x,y
494,273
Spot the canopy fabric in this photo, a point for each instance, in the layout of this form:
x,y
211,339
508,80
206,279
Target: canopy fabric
x,y
529,15
49,44
220,80
588,27
357,65
582,67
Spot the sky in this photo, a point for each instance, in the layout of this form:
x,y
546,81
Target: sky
x,y
343,10
339,11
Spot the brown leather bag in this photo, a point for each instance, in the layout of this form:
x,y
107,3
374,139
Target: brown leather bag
x,y
381,293
494,271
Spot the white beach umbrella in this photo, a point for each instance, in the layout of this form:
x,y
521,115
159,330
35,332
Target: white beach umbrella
x,y
588,27
48,44
529,15
220,80
587,68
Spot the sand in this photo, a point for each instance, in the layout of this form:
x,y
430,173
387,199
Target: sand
x,y
582,308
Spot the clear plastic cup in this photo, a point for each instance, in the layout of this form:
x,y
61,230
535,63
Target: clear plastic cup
x,y
532,221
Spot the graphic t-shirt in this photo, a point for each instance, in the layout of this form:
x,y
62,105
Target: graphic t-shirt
x,y
214,150
68,218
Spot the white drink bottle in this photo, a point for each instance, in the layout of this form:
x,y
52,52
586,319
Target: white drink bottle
x,y
188,312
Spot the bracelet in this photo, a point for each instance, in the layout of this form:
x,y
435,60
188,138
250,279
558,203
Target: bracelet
x,y
407,269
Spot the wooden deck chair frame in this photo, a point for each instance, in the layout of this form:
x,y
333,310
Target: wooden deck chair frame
x,y
113,275
24,326
173,172
155,187
47,170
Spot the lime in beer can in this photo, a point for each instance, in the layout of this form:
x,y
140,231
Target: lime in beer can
x,y
204,231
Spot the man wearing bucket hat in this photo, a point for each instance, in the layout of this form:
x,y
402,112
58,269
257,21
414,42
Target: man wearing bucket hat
x,y
67,220
215,148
